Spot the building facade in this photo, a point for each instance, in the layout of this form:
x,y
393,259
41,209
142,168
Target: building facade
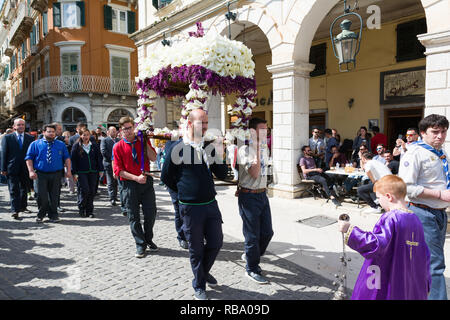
x,y
70,61
402,72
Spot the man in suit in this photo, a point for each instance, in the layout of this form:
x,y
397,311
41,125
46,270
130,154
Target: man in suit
x,y
14,149
106,146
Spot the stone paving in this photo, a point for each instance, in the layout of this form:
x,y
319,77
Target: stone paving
x,y
93,258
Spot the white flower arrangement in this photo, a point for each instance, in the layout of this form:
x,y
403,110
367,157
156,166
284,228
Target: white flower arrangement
x,y
218,53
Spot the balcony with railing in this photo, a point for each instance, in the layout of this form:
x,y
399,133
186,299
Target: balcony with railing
x,y
21,98
22,25
84,84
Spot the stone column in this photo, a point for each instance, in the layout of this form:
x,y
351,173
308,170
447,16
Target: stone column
x,y
290,124
437,93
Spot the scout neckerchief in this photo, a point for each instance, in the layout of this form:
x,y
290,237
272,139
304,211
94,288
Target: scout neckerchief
x,y
49,150
133,149
441,155
198,147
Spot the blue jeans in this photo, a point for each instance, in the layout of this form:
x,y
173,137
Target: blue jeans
x,y
254,210
200,223
137,195
434,224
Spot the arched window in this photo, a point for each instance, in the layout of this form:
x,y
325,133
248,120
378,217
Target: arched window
x,y
114,117
70,118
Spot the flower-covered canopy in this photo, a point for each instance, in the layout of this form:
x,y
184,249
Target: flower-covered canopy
x,y
196,69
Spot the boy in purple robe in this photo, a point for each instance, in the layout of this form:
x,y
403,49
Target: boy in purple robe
x,y
397,259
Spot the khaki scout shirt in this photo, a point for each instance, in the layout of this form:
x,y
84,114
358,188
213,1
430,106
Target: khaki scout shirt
x,y
421,168
247,157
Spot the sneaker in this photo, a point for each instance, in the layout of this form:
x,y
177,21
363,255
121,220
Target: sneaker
x,y
256,277
244,258
200,294
372,210
140,253
39,220
183,244
152,246
54,220
210,280
113,202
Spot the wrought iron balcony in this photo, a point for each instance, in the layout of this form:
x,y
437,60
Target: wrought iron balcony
x,y
84,84
22,25
21,98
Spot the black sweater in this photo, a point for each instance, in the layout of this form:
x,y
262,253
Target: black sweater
x,y
84,163
191,180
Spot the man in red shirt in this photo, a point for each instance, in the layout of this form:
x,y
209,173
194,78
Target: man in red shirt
x,y
132,165
378,138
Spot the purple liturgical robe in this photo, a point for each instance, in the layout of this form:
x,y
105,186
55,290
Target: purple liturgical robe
x,y
397,259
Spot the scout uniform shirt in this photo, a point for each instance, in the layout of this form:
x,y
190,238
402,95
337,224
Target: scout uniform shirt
x,y
421,168
247,157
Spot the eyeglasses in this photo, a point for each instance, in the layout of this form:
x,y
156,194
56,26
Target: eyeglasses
x,y
127,128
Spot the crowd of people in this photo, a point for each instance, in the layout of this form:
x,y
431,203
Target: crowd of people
x,y
187,170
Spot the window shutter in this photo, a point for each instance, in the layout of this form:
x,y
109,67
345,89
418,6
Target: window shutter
x,y
33,35
44,24
80,5
107,10
23,51
57,14
318,56
408,46
131,21
155,4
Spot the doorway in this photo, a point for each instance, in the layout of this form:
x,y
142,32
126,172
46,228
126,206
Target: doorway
x,y
399,120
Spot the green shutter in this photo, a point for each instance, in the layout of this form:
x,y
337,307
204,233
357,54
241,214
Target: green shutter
x,y
80,5
33,35
131,21
44,24
107,10
57,14
155,4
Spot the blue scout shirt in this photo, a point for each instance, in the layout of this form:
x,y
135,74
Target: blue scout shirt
x,y
38,153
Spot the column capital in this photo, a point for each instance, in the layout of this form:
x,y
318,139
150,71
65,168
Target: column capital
x,y
291,68
438,42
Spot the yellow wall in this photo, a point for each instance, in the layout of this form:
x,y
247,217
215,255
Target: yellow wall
x,y
333,90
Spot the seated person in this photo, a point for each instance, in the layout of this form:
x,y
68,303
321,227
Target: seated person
x,y
380,152
310,171
356,157
392,164
375,170
337,157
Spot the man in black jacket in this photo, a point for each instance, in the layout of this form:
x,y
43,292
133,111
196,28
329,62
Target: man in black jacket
x,y
14,149
188,171
106,146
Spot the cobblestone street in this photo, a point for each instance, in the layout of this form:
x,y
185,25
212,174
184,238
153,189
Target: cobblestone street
x,y
85,258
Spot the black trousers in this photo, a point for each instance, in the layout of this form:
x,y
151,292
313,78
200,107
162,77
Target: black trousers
x,y
86,186
49,185
136,195
18,186
202,226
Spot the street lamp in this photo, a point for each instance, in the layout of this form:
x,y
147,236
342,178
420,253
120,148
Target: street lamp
x,y
346,44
